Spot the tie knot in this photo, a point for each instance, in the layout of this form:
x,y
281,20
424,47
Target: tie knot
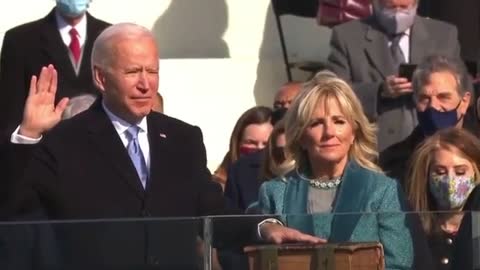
x,y
73,32
132,132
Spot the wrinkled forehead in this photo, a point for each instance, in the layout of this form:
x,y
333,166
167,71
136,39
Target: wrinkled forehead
x,y
441,82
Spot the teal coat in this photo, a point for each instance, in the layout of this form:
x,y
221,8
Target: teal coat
x,y
368,207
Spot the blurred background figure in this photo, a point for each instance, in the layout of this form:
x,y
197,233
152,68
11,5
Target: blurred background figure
x,y
443,171
250,134
78,104
276,162
63,38
286,94
158,103
244,175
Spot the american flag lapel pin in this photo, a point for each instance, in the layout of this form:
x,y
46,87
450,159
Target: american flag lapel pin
x,y
163,135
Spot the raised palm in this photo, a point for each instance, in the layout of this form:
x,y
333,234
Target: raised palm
x,y
40,113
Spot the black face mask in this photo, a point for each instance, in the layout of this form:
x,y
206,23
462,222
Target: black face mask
x,y
431,120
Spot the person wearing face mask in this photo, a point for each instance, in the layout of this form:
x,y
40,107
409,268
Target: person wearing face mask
x,y
368,53
63,38
442,94
442,173
276,163
243,182
250,134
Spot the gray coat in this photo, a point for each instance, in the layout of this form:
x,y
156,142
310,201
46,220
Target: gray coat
x,y
360,54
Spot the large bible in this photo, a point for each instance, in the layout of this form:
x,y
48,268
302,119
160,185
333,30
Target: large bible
x,y
339,256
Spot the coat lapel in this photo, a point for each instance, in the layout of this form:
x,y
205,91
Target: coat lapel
x,y
295,206
53,46
107,142
377,50
419,43
158,140
93,31
351,199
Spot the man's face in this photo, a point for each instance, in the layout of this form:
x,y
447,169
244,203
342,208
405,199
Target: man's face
x,y
286,94
441,93
130,82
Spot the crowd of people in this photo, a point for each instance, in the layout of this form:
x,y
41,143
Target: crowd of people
x,y
360,152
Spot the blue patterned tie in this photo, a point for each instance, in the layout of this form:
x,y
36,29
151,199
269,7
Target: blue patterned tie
x,y
135,153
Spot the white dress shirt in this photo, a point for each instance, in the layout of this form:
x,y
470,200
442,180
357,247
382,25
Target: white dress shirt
x,y
121,127
64,29
404,44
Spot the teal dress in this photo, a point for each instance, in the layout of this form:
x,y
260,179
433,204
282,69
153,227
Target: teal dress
x,y
368,206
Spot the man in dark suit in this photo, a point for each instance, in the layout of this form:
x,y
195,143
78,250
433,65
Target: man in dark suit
x,y
443,94
93,166
29,47
368,53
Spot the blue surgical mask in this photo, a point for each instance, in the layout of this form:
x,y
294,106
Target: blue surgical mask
x,y
392,21
431,120
72,8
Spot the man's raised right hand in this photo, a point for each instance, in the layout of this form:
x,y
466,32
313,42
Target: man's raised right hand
x,y
40,113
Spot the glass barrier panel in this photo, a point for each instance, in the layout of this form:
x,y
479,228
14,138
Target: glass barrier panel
x,y
401,239
103,244
408,240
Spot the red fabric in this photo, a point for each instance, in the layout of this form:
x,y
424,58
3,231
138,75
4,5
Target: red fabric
x,y
74,45
245,150
333,12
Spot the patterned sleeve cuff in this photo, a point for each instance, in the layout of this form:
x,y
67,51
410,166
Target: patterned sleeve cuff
x,y
268,220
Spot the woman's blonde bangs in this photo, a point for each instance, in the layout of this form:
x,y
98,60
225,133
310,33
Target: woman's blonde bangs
x,y
325,92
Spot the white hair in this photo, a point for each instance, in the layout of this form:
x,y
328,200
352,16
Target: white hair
x,y
102,51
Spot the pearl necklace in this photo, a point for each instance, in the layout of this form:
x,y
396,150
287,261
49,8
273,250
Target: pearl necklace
x,y
321,183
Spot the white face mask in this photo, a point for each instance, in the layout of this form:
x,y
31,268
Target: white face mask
x,y
392,21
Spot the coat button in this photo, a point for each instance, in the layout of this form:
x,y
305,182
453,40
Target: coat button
x,y
449,241
444,261
390,131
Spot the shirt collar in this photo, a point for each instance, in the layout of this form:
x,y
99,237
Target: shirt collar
x,y
64,27
121,125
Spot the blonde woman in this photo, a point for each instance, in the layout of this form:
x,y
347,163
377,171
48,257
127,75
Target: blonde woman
x,y
334,148
443,172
